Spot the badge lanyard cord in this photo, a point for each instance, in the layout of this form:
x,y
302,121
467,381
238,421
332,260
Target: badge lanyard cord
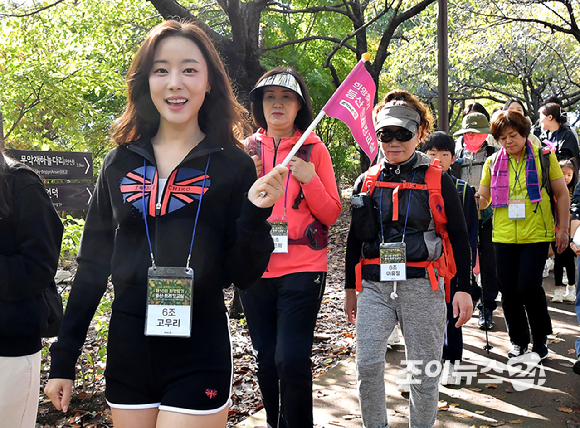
x,y
517,175
196,215
394,294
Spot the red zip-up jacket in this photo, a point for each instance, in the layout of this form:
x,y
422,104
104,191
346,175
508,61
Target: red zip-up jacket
x,y
321,200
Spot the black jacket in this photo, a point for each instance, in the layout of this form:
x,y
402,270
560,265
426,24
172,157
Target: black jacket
x,y
232,241
30,238
566,144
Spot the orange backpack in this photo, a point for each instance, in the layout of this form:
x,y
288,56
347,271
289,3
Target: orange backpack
x,y
445,264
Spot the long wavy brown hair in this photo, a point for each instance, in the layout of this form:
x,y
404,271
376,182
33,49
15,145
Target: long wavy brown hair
x,y
400,97
220,114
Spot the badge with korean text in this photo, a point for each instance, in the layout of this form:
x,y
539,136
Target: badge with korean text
x,y
169,298
279,233
517,208
393,261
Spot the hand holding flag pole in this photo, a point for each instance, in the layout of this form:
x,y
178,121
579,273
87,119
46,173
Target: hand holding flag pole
x,y
351,103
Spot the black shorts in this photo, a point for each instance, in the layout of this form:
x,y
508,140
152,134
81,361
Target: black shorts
x,y
187,375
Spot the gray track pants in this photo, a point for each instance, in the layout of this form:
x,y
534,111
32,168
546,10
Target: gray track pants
x,y
421,313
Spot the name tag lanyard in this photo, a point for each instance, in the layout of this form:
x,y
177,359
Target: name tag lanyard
x,y
170,289
279,223
396,249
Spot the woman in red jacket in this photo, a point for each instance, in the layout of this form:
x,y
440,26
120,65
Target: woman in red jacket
x,y
281,309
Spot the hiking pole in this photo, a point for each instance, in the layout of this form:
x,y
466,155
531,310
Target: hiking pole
x,y
487,347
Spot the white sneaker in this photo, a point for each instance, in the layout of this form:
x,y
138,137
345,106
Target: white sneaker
x,y
403,386
558,295
394,337
548,267
451,379
570,295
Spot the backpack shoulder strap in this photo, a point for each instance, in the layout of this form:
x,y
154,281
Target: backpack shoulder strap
x,y
370,180
436,203
545,167
460,185
304,154
254,146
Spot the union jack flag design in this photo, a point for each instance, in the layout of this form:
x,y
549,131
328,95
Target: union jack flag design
x,y
183,186
211,393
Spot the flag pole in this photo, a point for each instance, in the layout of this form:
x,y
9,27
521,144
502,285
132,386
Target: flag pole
x,y
303,137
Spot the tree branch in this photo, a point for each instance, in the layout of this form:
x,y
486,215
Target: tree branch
x,y
350,36
34,12
306,39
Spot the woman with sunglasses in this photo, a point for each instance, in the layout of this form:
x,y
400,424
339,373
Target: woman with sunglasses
x,y
396,224
282,308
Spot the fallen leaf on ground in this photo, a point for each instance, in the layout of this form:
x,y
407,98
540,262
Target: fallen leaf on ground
x,y
571,352
517,421
442,405
565,409
491,385
350,417
510,389
480,412
476,389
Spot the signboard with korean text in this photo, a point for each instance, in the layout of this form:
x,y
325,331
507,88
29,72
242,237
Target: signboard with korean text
x,y
55,167
70,196
52,165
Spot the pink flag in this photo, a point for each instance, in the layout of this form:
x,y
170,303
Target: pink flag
x,y
352,103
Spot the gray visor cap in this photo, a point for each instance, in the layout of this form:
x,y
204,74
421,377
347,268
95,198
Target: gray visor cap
x,y
398,115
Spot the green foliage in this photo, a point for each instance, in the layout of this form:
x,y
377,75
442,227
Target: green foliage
x,y
62,73
73,230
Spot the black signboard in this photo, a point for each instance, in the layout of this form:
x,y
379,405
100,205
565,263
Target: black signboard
x,y
70,196
53,165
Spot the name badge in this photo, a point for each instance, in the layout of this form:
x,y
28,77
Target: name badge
x,y
279,233
169,297
393,261
517,209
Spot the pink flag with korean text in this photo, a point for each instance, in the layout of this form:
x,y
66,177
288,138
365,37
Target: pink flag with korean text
x,y
352,103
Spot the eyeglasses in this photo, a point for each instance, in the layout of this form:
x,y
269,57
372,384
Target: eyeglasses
x,y
401,134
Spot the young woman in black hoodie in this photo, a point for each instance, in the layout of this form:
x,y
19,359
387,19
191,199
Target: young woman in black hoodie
x,y
177,194
30,237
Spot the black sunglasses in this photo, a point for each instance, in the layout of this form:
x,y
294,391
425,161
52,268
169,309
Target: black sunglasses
x,y
401,134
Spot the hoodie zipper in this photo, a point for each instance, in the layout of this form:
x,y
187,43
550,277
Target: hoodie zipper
x,y
141,151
